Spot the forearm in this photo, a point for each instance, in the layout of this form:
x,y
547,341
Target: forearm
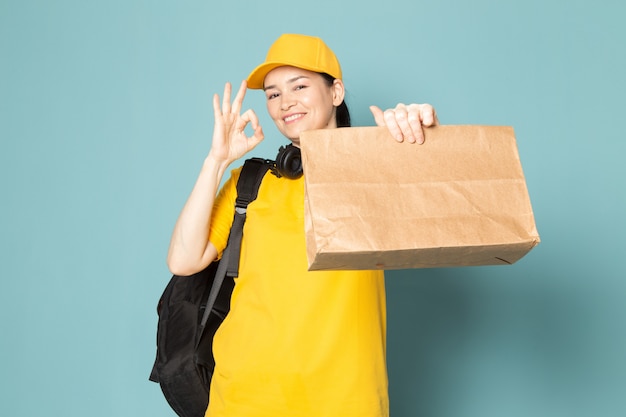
x,y
190,249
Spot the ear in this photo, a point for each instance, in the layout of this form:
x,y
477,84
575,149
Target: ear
x,y
338,91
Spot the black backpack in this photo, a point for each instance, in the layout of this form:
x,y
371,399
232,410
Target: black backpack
x,y
193,307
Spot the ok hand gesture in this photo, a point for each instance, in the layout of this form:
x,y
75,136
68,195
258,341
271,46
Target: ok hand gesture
x,y
230,142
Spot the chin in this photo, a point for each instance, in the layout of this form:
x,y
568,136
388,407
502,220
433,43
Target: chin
x,y
292,134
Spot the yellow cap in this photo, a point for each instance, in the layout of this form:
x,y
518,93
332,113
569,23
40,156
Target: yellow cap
x,y
301,51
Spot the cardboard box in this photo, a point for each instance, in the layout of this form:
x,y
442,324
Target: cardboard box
x,y
459,199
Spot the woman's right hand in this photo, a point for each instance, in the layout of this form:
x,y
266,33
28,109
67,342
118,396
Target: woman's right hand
x,y
190,249
230,141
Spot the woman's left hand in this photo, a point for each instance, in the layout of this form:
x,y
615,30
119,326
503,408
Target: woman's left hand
x,y
405,122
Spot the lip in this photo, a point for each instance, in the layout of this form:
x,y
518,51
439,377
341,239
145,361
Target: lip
x,y
292,118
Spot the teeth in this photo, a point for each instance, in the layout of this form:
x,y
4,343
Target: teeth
x,y
292,117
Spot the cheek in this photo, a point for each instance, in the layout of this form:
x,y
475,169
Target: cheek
x,y
271,108
323,104
315,100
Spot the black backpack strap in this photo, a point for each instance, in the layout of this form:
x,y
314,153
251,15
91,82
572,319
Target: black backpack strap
x,y
247,190
248,185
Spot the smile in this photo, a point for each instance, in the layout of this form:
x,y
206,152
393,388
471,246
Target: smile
x,y
293,117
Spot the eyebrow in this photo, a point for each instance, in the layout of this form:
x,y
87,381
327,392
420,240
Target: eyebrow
x,y
289,81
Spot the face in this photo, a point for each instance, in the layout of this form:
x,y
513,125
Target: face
x,y
299,100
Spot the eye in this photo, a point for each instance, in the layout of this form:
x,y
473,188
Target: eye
x,y
300,87
271,96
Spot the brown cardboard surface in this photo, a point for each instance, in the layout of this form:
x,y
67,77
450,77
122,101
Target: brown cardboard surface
x,y
459,199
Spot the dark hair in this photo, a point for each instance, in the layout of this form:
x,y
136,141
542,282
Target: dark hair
x,y
343,114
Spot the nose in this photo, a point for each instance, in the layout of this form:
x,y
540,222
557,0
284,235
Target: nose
x,y
287,101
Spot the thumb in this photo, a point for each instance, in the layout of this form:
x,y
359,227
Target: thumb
x,y
257,137
379,117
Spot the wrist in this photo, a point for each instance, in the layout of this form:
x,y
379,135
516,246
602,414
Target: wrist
x,y
216,164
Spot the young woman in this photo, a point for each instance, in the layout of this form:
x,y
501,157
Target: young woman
x,y
295,343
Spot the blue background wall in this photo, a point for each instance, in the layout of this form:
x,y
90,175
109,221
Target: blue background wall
x,y
105,118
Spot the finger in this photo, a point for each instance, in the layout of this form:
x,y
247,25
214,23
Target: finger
x,y
414,121
238,102
418,134
243,120
248,117
428,115
217,111
226,100
392,124
379,118
257,136
414,117
408,122
254,120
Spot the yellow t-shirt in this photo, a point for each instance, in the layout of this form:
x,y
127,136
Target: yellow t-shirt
x,y
295,343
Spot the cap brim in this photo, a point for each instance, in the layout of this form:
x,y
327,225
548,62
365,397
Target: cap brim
x,y
257,76
256,79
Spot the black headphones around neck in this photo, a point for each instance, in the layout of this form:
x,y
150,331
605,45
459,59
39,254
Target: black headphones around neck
x,y
288,162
